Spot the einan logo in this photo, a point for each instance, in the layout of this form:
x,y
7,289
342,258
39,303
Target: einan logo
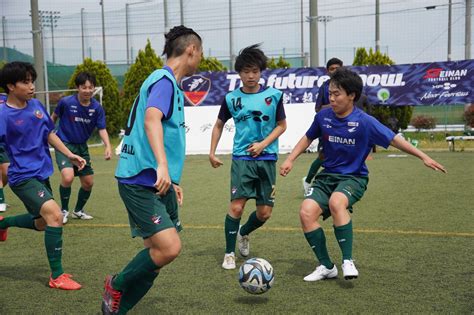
x,y
336,139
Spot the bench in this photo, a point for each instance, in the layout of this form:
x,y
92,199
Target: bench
x,y
451,139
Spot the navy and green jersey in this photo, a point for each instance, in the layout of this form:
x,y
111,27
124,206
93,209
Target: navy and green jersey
x,y
323,96
255,116
137,164
24,133
347,141
76,121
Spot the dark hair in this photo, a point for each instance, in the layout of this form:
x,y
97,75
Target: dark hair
x,y
84,76
334,61
178,39
14,72
347,80
251,56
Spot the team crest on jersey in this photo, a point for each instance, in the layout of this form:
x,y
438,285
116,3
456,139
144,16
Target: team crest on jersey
x,y
268,101
234,190
156,219
41,193
196,88
38,114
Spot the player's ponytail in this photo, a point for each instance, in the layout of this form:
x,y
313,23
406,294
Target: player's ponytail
x,y
178,39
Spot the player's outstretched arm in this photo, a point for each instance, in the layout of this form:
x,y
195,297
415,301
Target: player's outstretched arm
x,y
104,135
257,148
403,145
299,148
54,140
216,136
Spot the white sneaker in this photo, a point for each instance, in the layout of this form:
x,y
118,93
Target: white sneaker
x,y
306,186
229,261
81,215
244,245
321,273
65,215
3,207
349,270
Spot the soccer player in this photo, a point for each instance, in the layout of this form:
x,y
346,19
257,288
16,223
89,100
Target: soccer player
x,y
4,162
321,102
79,115
149,171
259,118
26,129
348,134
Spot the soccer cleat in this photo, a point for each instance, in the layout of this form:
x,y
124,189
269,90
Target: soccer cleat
x,y
244,244
321,273
81,215
3,232
64,282
349,269
306,186
65,216
3,207
111,297
229,261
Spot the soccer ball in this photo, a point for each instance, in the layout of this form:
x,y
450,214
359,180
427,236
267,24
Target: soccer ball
x,y
256,276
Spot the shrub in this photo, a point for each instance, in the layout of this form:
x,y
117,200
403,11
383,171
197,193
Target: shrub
x,y
469,116
280,64
423,122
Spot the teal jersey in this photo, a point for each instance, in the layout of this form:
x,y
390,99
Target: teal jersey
x,y
255,116
137,156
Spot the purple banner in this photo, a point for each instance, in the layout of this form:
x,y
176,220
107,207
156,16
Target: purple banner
x,y
436,83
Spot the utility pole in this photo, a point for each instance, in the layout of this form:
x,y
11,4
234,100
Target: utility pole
x,y
468,37
103,32
165,11
37,48
449,29
126,33
313,33
231,49
303,63
377,25
181,12
4,36
82,34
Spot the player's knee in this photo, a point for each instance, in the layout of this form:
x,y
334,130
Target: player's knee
x,y
87,185
264,215
236,210
337,205
306,214
66,180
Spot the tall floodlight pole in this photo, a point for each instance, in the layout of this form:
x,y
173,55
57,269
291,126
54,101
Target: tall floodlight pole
x,y
37,48
4,36
82,35
377,25
450,13
313,33
325,19
103,31
165,12
181,12
231,49
468,38
303,63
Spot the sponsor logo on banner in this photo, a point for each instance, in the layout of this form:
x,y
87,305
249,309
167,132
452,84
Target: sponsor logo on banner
x,y
440,74
383,95
196,88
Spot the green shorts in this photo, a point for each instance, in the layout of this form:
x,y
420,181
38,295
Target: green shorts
x,y
325,184
79,149
3,155
148,212
33,193
253,180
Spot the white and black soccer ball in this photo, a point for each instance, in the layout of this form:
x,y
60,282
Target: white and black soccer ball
x,y
256,276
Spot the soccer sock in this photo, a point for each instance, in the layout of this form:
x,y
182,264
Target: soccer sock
x,y
344,237
53,241
137,268
136,291
317,240
65,194
2,196
252,224
313,170
82,198
231,227
25,221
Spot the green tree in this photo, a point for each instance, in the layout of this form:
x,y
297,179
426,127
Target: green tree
x,y
145,63
2,63
211,64
110,100
280,64
394,117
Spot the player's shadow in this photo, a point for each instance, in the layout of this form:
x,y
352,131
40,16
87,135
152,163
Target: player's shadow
x,y
345,284
251,300
25,273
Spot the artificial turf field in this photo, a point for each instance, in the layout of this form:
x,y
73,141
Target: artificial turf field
x,y
413,246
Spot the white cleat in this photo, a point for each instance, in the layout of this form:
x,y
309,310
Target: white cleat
x,y
65,216
244,244
349,270
229,261
81,215
321,273
3,207
306,186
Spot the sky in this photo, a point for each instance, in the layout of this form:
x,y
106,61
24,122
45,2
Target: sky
x,y
409,32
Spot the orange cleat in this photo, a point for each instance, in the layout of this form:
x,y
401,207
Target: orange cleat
x,y
3,232
64,282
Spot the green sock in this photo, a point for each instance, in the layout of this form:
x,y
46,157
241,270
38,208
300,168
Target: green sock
x,y
82,198
53,242
2,195
317,240
25,221
65,194
344,236
231,227
313,170
136,291
252,224
137,268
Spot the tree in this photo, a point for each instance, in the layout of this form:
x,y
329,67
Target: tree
x,y
280,64
145,63
394,117
110,100
211,64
